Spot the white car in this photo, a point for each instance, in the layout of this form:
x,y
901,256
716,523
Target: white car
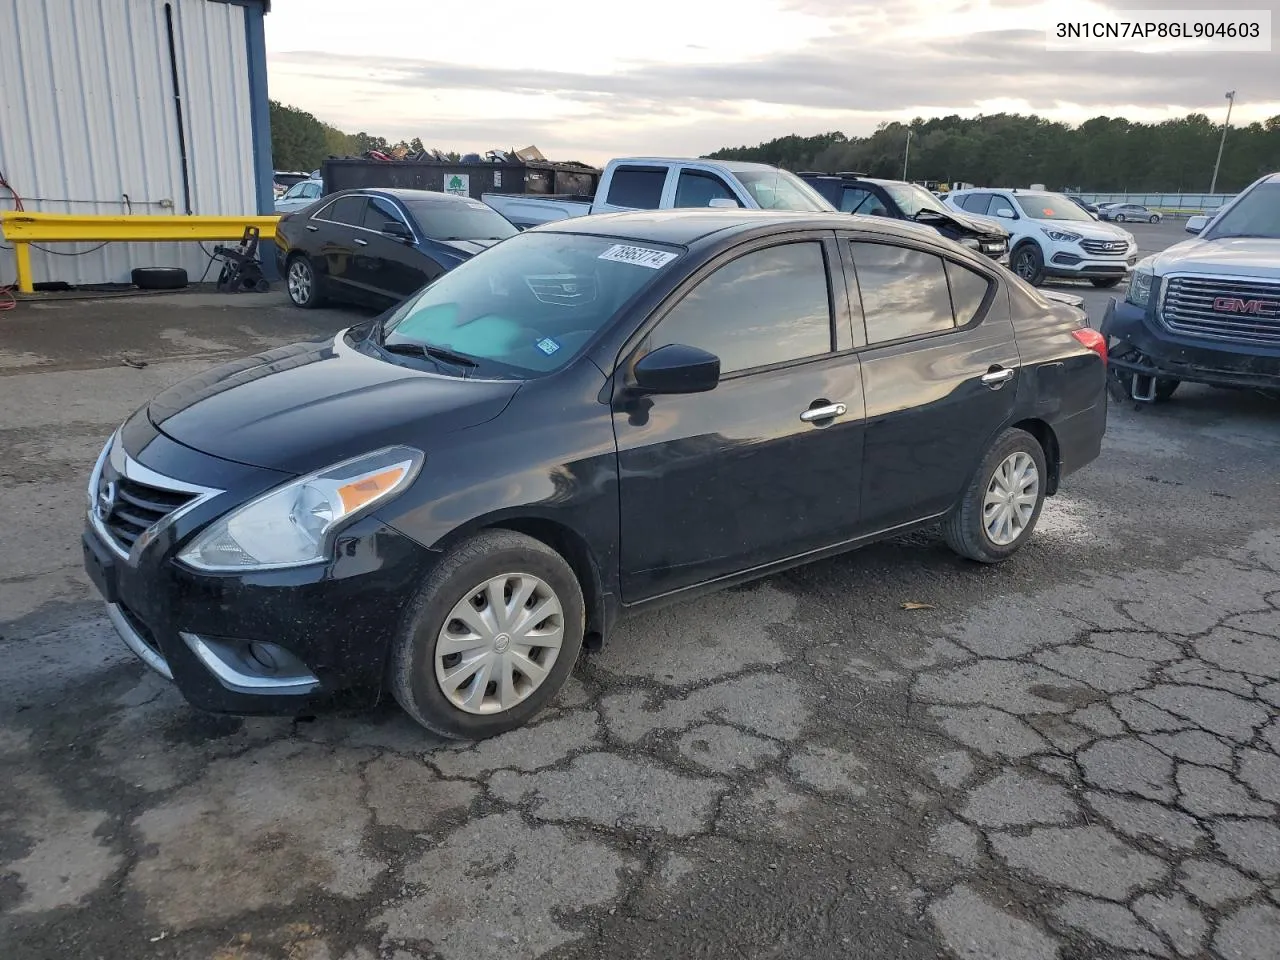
x,y
301,194
1049,236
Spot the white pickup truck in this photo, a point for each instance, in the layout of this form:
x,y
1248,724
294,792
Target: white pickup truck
x,y
657,183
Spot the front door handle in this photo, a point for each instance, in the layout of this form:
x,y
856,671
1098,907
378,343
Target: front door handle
x,y
312,227
361,243
997,377
830,411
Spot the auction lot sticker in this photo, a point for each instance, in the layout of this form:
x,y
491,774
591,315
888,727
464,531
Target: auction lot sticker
x,y
640,256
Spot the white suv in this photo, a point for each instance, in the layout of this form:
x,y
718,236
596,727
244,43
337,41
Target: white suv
x,y
1049,236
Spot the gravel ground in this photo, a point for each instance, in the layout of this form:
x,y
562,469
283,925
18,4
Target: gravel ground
x,y
1074,755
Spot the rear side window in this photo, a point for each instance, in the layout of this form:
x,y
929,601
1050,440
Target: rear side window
x,y
696,189
976,202
636,187
968,290
348,210
904,292
767,306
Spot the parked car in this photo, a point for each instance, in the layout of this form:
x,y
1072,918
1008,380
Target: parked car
x,y
1205,310
1120,212
301,194
282,180
593,418
379,246
654,183
854,193
1050,236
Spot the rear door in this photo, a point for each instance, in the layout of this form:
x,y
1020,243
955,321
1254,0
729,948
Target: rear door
x,y
765,466
338,224
632,187
940,374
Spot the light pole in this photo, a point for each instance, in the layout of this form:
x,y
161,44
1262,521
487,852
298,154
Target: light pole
x,y
906,154
1231,101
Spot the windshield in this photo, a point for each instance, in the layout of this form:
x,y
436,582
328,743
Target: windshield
x,y
472,220
1050,206
779,190
1257,214
531,303
912,198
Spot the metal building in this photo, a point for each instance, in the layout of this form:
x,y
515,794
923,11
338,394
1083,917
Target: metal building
x,y
132,106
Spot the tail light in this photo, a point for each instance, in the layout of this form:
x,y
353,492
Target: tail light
x,y
1093,340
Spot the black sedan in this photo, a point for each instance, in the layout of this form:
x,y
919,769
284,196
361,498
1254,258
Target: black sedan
x,y
595,417
379,246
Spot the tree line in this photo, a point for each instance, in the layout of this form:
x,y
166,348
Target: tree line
x,y
299,141
1104,154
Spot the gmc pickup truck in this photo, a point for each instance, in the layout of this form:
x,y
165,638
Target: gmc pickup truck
x,y
1205,310
655,183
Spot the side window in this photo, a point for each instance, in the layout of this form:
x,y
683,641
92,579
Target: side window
x,y
1001,206
695,189
904,292
767,306
976,202
311,190
348,210
968,290
637,187
854,199
378,212
293,192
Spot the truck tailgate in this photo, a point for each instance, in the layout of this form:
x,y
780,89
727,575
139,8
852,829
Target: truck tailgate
x,y
525,210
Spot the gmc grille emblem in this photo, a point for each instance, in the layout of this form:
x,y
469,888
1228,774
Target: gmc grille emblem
x,y
1258,308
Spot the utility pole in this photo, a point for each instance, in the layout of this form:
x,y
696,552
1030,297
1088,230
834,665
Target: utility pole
x,y
1231,100
906,154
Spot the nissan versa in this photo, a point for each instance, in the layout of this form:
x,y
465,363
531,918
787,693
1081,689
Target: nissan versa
x,y
588,419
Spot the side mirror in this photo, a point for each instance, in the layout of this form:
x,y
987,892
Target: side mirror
x,y
396,230
722,203
1006,212
1197,224
677,368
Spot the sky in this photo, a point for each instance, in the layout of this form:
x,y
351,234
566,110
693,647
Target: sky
x,y
590,81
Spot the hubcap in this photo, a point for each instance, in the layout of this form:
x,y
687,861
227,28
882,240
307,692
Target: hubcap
x,y
1026,268
299,281
499,643
1011,499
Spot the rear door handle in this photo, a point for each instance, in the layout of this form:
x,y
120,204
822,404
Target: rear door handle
x,y
361,243
828,412
996,378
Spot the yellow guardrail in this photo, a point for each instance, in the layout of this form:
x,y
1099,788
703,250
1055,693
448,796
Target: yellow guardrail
x,y
23,228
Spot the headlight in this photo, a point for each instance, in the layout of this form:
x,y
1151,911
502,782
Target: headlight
x,y
290,525
970,242
1140,283
1062,236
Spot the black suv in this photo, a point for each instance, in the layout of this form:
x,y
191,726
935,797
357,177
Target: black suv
x,y
854,193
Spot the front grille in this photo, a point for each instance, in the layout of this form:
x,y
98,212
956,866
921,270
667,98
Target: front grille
x,y
127,508
1218,308
1105,248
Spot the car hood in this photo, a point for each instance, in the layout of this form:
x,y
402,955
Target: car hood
x,y
982,225
1089,229
1250,256
299,408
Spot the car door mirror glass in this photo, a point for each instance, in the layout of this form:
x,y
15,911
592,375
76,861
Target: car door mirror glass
x,y
1006,212
677,368
1196,224
396,230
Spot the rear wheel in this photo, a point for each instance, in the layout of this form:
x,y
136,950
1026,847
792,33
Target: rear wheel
x,y
1028,263
998,510
300,278
492,637
1105,281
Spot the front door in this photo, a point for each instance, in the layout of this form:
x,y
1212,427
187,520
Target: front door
x,y
767,465
940,373
387,266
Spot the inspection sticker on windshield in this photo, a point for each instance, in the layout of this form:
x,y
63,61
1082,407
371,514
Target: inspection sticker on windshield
x,y
547,346
640,256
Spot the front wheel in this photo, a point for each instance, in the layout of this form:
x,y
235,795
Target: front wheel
x,y
1028,263
1119,218
491,638
999,508
1154,218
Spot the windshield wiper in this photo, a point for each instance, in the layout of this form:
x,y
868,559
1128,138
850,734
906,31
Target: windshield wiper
x,y
430,352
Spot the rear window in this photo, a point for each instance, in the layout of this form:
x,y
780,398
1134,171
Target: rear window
x,y
636,187
530,304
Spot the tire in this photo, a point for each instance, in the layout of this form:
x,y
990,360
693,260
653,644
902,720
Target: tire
x,y
300,281
1028,262
1154,218
159,278
1105,282
965,530
262,286
417,676
1119,218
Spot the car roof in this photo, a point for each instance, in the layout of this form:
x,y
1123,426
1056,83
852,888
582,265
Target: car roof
x,y
397,193
686,227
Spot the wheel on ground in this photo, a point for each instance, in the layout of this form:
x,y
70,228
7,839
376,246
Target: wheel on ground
x,y
300,278
1028,263
1105,282
999,508
159,278
491,638
1119,218
1154,218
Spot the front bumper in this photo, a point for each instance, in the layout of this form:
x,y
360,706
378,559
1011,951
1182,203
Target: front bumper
x,y
268,642
1089,268
1157,352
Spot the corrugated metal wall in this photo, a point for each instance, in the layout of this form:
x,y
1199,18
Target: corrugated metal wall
x,y
87,119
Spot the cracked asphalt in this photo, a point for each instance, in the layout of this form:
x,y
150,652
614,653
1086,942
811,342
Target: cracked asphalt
x,y
1073,755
